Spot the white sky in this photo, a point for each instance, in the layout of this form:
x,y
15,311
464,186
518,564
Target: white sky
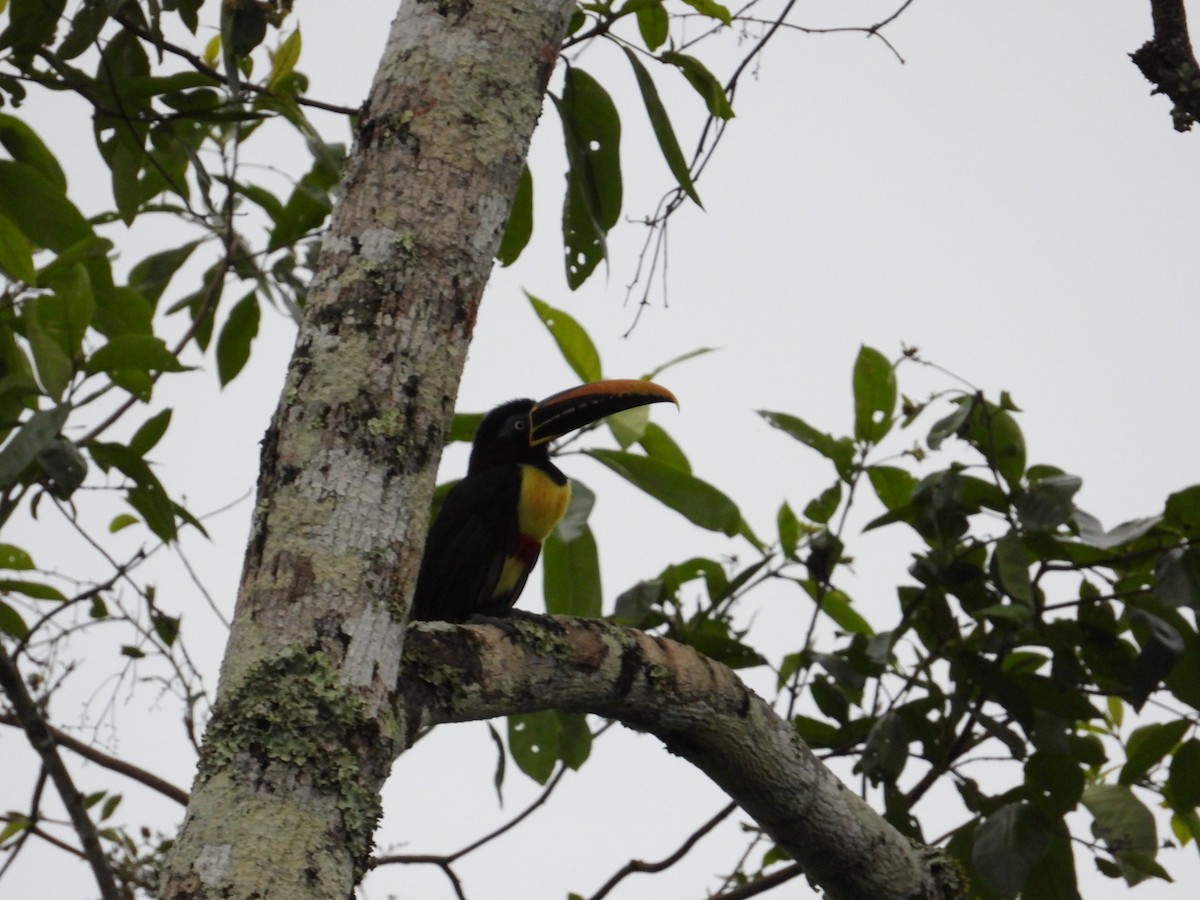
x,y
1010,200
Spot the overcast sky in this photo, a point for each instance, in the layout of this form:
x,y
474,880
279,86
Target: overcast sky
x,y
1010,200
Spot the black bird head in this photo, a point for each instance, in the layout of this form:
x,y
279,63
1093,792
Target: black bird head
x,y
520,431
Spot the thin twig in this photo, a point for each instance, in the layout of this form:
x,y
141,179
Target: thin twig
x,y
764,884
42,740
636,865
120,766
205,69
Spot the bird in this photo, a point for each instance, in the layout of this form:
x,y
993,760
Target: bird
x,y
489,532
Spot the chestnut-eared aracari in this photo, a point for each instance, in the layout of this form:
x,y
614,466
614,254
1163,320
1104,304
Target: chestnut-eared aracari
x,y
489,532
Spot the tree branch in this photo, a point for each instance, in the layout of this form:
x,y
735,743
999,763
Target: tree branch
x,y
636,865
698,708
100,758
764,884
42,741
1169,63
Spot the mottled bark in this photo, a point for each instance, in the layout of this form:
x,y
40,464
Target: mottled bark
x,y
303,732
702,712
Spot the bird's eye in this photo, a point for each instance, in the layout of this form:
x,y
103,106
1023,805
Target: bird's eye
x,y
519,424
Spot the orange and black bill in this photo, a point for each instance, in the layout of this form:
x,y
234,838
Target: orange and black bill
x,y
576,407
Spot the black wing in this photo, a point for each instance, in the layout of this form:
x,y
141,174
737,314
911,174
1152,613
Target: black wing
x,y
467,544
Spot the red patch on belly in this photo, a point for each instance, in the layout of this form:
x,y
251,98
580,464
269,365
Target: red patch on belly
x,y
527,548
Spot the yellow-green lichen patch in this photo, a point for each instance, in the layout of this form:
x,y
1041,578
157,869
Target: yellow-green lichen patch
x,y
385,425
293,709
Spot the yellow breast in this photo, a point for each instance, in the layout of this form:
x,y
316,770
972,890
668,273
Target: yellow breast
x,y
542,503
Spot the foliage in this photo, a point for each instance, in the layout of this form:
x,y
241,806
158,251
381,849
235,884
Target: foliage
x,y
1022,629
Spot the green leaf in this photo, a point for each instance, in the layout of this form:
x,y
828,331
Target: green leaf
x,y
1057,778
839,451
893,486
697,501
12,557
150,433
713,639
1183,510
34,589
122,521
533,741
653,23
837,606
815,732
683,357
874,395
1008,844
885,752
32,24
592,134
1184,778
995,433
133,354
519,227
571,575
283,60
634,605
1161,648
1012,568
659,445
789,530
661,123
86,25
16,256
239,331
25,146
147,497
64,467
155,509
704,82
573,342
629,425
1048,503
66,314
166,627
1093,536
1148,745
574,739
463,427
823,506
1177,577
950,425
11,622
571,526
1053,876
151,276
1124,824
712,9
34,435
122,311
54,365
308,205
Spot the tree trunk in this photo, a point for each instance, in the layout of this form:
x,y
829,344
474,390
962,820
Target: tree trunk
x,y
302,735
